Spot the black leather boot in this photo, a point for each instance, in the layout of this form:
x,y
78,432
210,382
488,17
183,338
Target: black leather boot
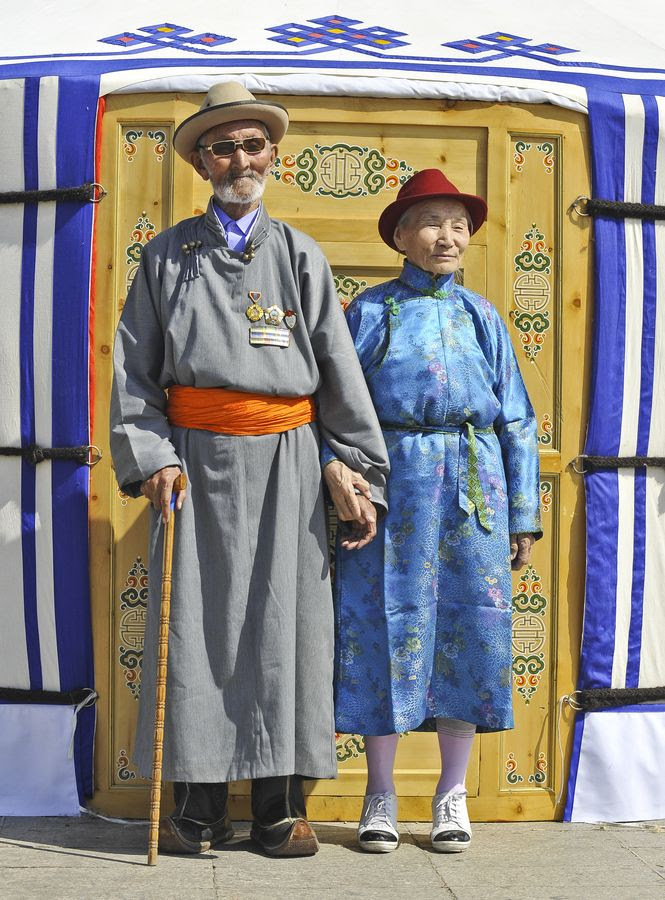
x,y
280,825
200,820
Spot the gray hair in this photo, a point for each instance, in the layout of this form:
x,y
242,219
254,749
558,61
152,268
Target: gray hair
x,y
404,219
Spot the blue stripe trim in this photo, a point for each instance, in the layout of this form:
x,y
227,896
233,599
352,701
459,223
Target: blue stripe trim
x,y
28,478
607,121
222,56
637,584
608,137
602,529
646,390
651,135
599,82
75,154
578,734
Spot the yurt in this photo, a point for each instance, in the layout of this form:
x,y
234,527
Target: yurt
x,y
555,115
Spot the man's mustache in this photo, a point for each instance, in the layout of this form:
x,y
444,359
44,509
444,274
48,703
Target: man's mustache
x,y
233,176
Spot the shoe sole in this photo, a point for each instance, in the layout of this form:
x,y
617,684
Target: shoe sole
x,y
300,841
170,841
449,847
378,846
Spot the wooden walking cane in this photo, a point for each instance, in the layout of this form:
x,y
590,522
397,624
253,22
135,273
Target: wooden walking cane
x,y
162,658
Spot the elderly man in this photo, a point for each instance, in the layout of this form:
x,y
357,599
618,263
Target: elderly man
x,y
231,357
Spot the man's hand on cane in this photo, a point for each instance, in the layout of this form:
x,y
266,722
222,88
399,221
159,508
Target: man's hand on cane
x,y
159,488
163,646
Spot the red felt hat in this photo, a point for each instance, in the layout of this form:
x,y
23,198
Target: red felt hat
x,y
429,184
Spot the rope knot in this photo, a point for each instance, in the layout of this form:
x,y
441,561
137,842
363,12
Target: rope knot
x,y
34,454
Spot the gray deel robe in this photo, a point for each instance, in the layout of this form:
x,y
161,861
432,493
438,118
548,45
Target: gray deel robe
x,y
249,690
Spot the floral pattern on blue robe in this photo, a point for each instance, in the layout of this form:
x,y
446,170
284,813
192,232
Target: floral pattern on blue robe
x,y
423,613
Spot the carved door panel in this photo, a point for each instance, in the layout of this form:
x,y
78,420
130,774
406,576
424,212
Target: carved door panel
x,y
340,164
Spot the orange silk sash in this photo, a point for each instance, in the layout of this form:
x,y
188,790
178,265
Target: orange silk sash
x,y
236,412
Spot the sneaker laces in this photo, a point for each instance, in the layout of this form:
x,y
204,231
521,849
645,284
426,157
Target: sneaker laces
x,y
377,815
449,810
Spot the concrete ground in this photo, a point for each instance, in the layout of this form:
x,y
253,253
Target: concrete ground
x,y
93,859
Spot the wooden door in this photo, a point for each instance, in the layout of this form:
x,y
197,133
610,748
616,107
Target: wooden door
x,y
340,164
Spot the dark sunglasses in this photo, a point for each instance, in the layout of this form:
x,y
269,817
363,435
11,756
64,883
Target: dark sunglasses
x,y
250,145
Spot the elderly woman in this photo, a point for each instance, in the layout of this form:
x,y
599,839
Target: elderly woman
x,y
424,612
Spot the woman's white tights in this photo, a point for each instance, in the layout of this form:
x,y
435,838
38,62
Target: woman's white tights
x,y
380,750
455,740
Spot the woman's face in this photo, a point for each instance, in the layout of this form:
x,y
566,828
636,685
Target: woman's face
x,y
435,235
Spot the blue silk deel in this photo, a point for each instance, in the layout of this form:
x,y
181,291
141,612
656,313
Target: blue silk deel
x,y
423,614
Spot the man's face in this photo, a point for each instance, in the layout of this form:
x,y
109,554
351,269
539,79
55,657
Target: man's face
x,y
238,179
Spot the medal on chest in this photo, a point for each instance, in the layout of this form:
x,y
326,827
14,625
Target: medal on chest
x,y
290,319
254,311
273,315
276,332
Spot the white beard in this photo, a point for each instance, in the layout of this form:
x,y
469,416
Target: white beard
x,y
228,191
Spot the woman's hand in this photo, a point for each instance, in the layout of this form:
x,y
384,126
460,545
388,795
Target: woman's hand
x,y
346,488
520,550
159,488
363,530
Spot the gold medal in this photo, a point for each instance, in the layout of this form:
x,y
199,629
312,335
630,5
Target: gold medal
x,y
273,315
254,311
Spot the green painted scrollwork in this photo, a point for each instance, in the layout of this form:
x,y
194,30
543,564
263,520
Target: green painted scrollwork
x,y
534,603
525,322
305,177
352,747
528,665
347,288
134,252
374,164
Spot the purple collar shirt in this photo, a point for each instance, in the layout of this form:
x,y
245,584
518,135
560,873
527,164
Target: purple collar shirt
x,y
236,230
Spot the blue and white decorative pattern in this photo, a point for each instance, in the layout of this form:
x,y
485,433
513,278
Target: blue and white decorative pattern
x,y
338,31
508,45
624,620
45,638
405,43
166,35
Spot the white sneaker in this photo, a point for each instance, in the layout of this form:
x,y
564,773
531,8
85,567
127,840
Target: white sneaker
x,y
377,829
451,829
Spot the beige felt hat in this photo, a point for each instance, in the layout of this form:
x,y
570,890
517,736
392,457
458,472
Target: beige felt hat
x,y
229,101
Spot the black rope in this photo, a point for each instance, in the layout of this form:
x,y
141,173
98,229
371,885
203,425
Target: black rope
x,y
34,454
590,463
53,698
617,209
605,698
623,462
84,193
